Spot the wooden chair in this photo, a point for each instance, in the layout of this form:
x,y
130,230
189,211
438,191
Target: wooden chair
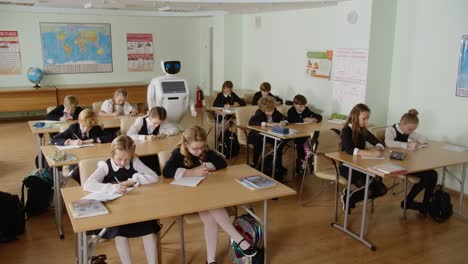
x,y
324,142
283,109
97,107
50,109
243,115
208,116
125,124
379,133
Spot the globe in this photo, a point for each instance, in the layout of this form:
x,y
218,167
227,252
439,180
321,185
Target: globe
x,y
35,76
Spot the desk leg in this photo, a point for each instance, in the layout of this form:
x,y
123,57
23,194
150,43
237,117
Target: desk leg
x,y
222,135
216,146
182,240
344,228
265,229
58,202
406,194
40,138
82,248
459,212
158,244
273,165
263,152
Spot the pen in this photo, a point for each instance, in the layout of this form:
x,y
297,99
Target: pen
x,y
75,135
116,179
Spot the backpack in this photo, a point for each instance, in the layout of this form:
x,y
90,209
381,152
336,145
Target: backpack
x,y
252,231
230,146
39,197
440,207
13,218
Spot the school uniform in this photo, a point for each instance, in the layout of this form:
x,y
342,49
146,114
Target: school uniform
x,y
395,138
103,180
176,168
222,100
143,127
295,117
376,187
254,138
109,107
59,112
74,132
258,95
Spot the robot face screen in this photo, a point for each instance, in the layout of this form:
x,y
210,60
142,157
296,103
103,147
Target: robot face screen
x,y
172,67
173,87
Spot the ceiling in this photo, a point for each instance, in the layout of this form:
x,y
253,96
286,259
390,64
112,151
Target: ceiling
x,y
158,7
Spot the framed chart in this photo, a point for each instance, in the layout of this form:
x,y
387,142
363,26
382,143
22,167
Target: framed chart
x,y
462,81
76,48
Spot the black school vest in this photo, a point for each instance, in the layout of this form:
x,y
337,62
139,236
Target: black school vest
x,y
122,174
400,136
144,129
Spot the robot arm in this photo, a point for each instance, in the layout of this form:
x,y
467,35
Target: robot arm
x,y
151,95
192,108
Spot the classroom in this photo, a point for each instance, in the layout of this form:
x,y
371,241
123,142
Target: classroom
x,y
404,55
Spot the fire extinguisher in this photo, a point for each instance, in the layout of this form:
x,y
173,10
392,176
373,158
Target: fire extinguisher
x,y
199,95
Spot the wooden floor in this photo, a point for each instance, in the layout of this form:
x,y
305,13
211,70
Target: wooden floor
x,y
296,234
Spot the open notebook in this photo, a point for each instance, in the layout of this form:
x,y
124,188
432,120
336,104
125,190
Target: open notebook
x,y
105,197
74,146
188,181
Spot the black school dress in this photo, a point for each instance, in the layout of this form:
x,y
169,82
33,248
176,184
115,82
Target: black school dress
x,y
129,230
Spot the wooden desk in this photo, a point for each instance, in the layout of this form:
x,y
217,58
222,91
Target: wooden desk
x,y
16,99
143,148
89,93
219,190
223,113
431,157
302,130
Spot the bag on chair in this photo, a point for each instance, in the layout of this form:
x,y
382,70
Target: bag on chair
x,y
252,231
440,206
39,192
230,146
12,219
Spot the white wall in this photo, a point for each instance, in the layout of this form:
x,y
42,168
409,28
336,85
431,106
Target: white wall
x,y
425,65
174,38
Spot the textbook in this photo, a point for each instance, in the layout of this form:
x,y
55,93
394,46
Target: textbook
x,y
87,208
256,182
389,168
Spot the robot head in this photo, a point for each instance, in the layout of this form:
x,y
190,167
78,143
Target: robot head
x,y
170,67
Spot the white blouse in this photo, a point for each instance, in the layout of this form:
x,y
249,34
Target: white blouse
x,y
165,128
108,107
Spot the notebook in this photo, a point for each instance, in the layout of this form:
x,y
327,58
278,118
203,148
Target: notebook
x,y
389,168
188,181
256,182
88,208
105,197
74,146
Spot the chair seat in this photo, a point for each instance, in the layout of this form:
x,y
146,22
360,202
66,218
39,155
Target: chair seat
x,y
192,218
330,174
412,179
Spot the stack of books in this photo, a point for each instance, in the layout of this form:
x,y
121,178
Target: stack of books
x,y
389,168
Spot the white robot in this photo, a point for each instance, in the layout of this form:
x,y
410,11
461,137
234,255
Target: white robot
x,y
170,92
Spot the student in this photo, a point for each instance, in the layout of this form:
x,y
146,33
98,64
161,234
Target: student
x,y
68,111
354,137
300,113
267,115
193,158
118,105
402,135
86,131
227,98
265,89
151,127
114,175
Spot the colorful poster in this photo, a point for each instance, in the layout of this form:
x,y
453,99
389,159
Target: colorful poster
x,y
350,75
10,59
462,82
76,48
319,64
140,52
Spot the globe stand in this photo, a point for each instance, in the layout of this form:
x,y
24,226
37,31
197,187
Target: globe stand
x,y
37,86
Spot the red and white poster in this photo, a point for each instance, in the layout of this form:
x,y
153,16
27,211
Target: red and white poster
x,y
140,52
10,59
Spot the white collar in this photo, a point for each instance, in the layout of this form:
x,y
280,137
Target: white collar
x,y
227,95
399,129
116,168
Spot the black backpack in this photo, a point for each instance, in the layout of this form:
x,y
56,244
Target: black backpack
x,y
12,219
230,146
440,207
40,192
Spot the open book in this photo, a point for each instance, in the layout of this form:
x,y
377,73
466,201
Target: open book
x,y
74,146
87,208
256,182
389,168
188,181
105,197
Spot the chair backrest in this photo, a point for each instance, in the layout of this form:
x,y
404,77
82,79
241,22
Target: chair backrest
x,y
379,133
50,108
126,123
328,141
64,127
248,98
283,109
163,157
97,107
87,167
209,99
243,115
